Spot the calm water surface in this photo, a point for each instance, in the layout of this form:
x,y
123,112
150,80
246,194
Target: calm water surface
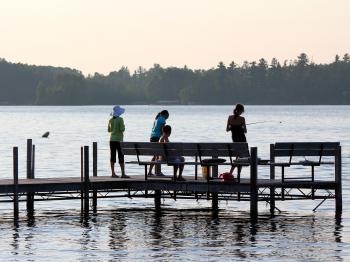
x,y
129,229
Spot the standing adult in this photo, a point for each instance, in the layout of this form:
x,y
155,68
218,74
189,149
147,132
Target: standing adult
x,y
116,127
236,124
156,133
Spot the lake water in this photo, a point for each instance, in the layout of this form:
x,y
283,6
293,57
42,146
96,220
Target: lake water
x,y
130,229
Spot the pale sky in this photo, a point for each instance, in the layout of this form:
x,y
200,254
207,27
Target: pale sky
x,y
101,36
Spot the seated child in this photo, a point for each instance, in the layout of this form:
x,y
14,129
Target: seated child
x,y
166,132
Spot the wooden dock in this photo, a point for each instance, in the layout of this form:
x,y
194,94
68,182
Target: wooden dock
x,y
91,188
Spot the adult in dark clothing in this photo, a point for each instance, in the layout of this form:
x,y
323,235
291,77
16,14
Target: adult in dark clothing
x,y
236,124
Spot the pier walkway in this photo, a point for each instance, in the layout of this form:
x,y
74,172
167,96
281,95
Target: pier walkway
x,y
253,189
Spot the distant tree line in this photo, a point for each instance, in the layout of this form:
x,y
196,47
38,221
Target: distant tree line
x,y
296,81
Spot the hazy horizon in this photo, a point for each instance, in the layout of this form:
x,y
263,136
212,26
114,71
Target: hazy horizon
x,y
103,36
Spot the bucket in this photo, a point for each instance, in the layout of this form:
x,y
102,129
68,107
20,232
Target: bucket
x,y
227,177
205,171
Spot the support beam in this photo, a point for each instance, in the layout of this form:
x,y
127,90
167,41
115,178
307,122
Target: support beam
x,y
253,182
15,183
30,196
86,180
82,179
272,177
157,200
338,181
33,162
94,174
215,201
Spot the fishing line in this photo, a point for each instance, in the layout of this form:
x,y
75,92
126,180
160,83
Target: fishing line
x,y
261,122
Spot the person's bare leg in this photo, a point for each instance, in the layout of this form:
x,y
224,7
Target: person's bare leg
x,y
233,167
151,166
181,169
122,167
175,172
112,169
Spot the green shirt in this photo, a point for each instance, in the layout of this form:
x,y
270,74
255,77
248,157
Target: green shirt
x,y
116,127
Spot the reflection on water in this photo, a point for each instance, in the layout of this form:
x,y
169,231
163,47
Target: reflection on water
x,y
190,235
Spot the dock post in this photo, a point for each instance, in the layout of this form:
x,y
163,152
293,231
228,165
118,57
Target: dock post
x,y
157,200
15,183
214,195
253,182
30,196
86,180
272,177
94,174
33,162
82,179
338,187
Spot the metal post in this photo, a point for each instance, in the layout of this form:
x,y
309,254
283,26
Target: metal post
x,y
86,180
313,180
30,196
338,187
29,158
157,199
81,179
33,162
196,168
15,183
94,174
253,182
272,177
215,201
282,188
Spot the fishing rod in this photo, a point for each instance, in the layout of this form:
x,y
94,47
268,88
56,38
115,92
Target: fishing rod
x,y
261,122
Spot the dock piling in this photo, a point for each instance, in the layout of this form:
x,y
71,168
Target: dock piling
x,y
30,173
15,183
81,179
157,200
338,187
272,177
253,182
214,195
86,180
33,161
94,174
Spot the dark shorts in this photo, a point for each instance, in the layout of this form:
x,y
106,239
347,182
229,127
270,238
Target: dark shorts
x,y
115,146
154,139
239,138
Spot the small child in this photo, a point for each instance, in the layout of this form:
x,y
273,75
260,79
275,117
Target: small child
x,y
166,132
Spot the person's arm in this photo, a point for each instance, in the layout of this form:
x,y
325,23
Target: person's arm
x,y
244,125
228,126
162,124
121,125
109,126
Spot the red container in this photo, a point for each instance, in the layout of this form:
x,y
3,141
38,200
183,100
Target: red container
x,y
227,177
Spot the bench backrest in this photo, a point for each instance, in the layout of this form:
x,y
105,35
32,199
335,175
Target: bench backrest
x,y
186,149
297,149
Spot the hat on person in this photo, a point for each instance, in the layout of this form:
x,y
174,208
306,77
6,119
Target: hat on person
x,y
117,111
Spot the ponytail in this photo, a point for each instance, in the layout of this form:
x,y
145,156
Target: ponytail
x,y
158,115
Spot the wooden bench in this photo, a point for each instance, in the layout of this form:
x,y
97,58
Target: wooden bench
x,y
291,150
236,153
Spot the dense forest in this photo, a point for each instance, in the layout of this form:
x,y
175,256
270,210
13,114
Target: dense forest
x,y
296,81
